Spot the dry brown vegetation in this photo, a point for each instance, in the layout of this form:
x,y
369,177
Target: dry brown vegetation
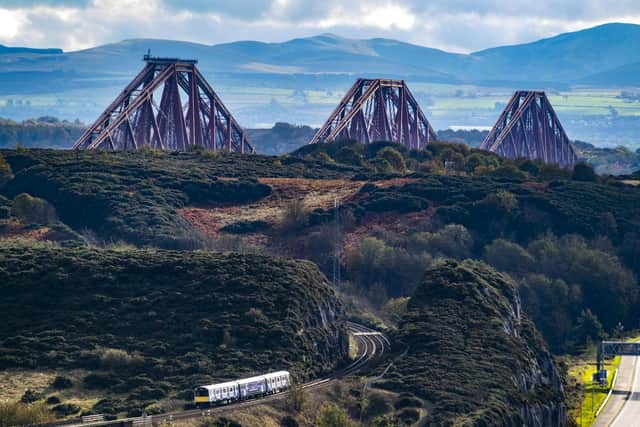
x,y
315,193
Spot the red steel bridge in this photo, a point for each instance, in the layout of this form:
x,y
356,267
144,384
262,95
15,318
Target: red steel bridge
x,y
168,106
528,127
378,110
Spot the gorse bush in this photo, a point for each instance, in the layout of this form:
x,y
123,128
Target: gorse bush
x,y
115,358
32,210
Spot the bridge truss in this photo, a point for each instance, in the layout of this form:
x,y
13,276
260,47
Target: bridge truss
x,y
529,127
378,110
168,106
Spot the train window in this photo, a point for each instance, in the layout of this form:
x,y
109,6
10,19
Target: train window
x,y
202,392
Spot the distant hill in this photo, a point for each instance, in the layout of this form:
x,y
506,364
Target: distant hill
x,y
7,50
565,58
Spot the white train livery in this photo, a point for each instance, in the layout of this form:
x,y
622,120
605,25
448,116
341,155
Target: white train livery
x,y
247,388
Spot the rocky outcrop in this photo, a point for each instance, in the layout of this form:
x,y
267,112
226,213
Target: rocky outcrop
x,y
472,356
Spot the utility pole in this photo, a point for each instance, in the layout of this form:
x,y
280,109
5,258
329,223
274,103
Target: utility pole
x,y
337,248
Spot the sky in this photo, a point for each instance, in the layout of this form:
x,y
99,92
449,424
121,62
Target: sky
x,y
453,25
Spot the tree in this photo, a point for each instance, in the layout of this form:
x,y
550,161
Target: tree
x,y
584,172
508,256
333,416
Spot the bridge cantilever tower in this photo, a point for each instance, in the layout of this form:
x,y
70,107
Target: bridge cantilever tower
x,y
528,127
168,106
378,110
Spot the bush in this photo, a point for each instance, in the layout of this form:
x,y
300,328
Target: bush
x,y
407,401
53,400
5,171
246,227
32,210
584,172
114,358
289,421
332,416
30,396
60,383
393,158
99,380
296,398
66,409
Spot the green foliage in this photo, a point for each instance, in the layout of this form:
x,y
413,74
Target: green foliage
x,y
393,157
32,210
508,256
18,414
61,383
66,409
332,416
452,241
150,323
584,172
246,227
30,396
381,270
560,278
5,171
53,400
296,399
463,315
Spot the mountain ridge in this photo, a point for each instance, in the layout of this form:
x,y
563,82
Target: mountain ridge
x,y
564,58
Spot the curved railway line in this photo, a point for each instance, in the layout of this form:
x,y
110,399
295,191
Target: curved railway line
x,y
371,345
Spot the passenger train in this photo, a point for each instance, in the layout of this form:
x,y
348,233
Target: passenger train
x,y
247,388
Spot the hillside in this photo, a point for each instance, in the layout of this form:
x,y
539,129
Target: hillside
x,y
472,357
150,325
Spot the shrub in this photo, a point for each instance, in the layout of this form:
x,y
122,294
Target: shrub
x,y
332,416
60,383
5,171
246,227
407,401
289,421
30,396
584,172
53,400
114,358
100,380
66,409
296,398
393,158
33,210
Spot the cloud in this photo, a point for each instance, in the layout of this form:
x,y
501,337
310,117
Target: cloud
x,y
458,25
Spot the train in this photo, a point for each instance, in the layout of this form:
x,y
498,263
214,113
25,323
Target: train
x,y
243,389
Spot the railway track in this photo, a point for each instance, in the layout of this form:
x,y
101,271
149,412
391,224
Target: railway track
x,y
371,345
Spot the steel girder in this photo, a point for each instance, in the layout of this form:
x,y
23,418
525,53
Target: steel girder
x,y
378,110
168,106
528,127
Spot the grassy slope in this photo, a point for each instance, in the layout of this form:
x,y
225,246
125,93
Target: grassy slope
x,y
467,345
187,317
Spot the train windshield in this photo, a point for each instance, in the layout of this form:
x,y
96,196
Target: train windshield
x,y
202,392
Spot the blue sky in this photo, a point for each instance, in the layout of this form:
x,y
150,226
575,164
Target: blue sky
x,y
455,25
